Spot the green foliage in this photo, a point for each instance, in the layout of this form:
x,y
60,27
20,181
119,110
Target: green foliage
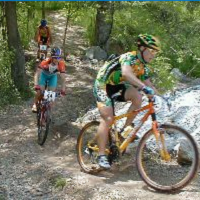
x,y
9,93
2,197
28,18
54,5
129,23
175,23
58,181
90,30
85,17
29,91
180,22
162,79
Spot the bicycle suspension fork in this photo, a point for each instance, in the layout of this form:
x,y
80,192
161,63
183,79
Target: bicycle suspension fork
x,y
160,139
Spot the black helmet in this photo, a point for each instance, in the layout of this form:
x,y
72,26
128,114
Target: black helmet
x,y
43,22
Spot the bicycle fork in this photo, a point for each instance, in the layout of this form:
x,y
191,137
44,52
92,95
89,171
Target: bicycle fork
x,y
160,140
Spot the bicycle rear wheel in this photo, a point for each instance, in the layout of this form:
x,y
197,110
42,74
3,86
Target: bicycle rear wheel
x,y
87,148
182,165
43,125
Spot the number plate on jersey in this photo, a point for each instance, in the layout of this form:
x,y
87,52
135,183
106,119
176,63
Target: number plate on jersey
x,y
43,47
49,95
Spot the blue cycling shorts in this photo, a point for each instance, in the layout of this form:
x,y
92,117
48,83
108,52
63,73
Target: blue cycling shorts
x,y
52,80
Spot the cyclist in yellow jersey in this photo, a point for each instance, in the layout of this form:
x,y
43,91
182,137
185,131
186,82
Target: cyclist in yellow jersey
x,y
125,74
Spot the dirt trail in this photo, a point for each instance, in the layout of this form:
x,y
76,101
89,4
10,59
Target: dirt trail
x,y
28,171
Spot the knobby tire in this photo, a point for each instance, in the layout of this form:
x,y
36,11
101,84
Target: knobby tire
x,y
148,161
43,125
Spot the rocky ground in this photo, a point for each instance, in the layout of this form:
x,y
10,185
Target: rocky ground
x,y
51,172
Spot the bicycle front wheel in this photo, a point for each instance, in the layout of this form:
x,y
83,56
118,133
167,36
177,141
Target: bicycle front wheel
x,y
43,125
175,172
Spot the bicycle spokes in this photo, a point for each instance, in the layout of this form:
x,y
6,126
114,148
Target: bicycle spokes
x,y
170,165
87,147
92,147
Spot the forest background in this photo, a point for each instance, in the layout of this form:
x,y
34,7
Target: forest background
x,y
114,26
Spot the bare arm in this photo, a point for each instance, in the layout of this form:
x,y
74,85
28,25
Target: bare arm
x,y
150,84
129,76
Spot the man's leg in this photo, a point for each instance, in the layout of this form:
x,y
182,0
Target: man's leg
x,y
52,85
42,80
106,112
53,89
135,97
36,98
102,134
105,122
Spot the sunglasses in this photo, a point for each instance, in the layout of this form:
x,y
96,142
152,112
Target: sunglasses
x,y
55,57
153,51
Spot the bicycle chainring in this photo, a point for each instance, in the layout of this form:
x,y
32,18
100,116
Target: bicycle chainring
x,y
114,154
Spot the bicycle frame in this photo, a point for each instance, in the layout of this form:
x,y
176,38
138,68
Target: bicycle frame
x,y
43,105
159,136
131,136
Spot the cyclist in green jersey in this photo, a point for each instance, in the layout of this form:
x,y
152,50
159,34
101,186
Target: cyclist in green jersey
x,y
125,74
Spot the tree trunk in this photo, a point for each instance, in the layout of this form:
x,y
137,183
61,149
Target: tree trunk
x,y
14,43
2,20
104,23
43,9
64,40
27,23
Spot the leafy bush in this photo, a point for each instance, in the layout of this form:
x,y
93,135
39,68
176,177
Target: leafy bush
x,y
163,79
9,93
28,17
86,19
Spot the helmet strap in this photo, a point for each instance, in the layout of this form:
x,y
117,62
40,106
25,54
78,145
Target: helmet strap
x,y
141,55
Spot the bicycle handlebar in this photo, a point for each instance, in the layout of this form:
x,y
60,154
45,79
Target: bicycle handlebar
x,y
151,98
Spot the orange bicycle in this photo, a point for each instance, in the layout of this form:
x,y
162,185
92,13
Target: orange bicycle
x,y
167,156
